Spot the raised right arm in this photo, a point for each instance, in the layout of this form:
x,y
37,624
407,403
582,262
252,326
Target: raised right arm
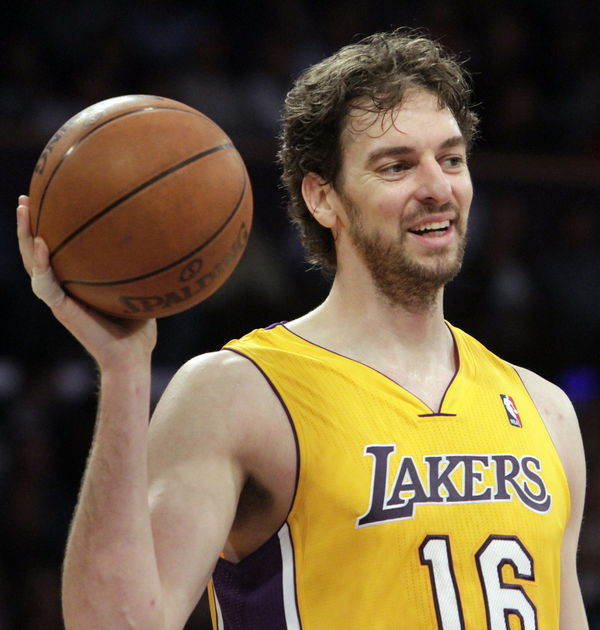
x,y
146,531
157,501
110,576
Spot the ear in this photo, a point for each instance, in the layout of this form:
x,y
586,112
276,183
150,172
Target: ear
x,y
319,197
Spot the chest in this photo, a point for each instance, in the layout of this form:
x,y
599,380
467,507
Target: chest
x,y
413,491
379,451
403,490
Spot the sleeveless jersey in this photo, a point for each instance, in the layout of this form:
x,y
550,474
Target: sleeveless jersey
x,y
403,516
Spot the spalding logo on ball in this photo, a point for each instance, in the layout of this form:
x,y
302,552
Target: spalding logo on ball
x,y
145,205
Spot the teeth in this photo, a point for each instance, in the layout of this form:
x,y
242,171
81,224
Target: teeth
x,y
440,225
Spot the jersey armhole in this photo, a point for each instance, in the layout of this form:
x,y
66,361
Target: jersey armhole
x,y
556,453
290,420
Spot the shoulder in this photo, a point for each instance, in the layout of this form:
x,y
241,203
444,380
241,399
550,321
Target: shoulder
x,y
224,369
551,401
221,381
559,416
218,426
218,397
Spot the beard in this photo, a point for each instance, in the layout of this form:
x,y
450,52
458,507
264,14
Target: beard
x,y
401,279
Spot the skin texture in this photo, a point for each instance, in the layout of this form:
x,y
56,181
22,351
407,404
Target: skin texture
x,y
216,466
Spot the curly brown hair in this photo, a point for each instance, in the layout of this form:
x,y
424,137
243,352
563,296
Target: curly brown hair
x,y
376,72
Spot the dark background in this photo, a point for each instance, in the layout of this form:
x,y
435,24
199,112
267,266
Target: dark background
x,y
530,288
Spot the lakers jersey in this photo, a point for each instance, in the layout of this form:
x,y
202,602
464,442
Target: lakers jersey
x,y
404,517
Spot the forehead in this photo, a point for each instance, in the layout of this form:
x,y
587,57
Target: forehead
x,y
418,121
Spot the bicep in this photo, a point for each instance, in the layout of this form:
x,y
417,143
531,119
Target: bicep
x,y
195,482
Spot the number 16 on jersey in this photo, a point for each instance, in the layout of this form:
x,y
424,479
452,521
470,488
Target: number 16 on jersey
x,y
501,599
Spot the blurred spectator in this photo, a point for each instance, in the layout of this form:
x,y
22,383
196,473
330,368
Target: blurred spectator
x,y
204,79
569,276
497,279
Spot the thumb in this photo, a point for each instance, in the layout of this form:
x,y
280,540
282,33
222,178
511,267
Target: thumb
x,y
43,281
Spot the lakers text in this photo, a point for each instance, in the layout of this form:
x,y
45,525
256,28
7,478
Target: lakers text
x,y
447,479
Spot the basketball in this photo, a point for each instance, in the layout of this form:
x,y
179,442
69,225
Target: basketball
x,y
145,205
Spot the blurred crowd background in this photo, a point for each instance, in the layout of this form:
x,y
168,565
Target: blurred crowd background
x,y
530,288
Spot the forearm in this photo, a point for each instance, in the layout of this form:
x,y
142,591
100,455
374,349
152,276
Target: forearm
x,y
110,574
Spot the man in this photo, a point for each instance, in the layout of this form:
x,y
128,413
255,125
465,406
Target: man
x,y
364,466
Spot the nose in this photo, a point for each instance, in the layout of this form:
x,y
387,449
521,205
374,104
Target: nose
x,y
433,187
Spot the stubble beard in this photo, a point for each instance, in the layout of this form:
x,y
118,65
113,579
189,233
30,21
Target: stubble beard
x,y
400,279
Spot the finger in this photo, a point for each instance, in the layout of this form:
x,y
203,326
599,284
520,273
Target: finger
x,y
24,234
43,282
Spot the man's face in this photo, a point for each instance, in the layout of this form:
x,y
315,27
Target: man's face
x,y
406,190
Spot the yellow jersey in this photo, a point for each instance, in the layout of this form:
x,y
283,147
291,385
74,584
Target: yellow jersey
x,y
403,517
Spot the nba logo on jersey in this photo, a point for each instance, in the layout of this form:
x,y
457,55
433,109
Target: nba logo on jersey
x,y
511,411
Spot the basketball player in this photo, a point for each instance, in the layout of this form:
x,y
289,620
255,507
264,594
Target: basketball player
x,y
367,465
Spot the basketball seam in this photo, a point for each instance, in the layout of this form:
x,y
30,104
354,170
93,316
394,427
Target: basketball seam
x,y
91,132
136,190
106,283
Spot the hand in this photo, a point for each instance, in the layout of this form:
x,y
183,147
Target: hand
x,y
107,339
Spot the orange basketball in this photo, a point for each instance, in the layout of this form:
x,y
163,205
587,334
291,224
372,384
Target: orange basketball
x,y
145,205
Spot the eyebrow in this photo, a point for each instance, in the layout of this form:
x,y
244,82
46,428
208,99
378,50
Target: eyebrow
x,y
449,143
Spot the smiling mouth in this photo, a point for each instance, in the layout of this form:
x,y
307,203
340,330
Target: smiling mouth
x,y
435,228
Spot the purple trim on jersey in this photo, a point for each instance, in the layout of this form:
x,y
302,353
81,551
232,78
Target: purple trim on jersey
x,y
250,593
437,415
275,325
457,362
433,413
284,407
254,597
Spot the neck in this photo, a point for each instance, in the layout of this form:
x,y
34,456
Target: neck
x,y
356,320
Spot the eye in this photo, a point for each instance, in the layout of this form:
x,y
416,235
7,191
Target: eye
x,y
395,168
454,161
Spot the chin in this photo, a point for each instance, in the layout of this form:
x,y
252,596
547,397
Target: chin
x,y
443,267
